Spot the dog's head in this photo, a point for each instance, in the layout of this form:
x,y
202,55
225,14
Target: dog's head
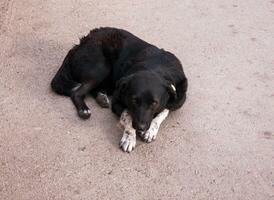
x,y
145,95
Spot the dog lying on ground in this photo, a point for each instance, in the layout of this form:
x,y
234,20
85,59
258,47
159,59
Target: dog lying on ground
x,y
145,82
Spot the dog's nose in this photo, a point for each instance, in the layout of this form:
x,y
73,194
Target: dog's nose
x,y
141,127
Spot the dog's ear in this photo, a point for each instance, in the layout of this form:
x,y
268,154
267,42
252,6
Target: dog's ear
x,y
177,94
171,88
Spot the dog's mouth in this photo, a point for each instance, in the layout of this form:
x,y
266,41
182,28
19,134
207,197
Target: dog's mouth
x,y
140,132
140,127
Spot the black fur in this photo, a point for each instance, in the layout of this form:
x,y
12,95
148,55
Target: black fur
x,y
139,76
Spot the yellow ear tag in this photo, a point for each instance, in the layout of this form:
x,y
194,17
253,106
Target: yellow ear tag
x,y
173,87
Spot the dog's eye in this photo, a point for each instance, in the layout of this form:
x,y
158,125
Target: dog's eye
x,y
155,103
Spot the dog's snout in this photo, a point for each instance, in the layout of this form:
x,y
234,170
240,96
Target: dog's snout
x,y
141,127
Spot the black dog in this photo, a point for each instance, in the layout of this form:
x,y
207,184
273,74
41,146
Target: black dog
x,y
140,77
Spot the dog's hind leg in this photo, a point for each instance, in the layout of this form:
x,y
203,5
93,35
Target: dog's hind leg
x,y
77,96
91,77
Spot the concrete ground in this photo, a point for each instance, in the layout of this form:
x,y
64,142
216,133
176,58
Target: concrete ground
x,y
220,145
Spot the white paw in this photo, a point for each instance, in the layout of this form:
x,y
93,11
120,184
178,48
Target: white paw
x,y
151,133
128,142
84,113
87,111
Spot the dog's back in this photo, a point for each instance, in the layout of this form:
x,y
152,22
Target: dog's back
x,y
108,46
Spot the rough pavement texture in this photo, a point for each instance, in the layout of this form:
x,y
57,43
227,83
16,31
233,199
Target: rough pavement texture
x,y
220,145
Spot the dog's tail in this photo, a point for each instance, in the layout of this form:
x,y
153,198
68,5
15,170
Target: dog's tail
x,y
63,83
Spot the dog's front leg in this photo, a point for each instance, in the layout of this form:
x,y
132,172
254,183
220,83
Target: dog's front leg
x,y
128,140
152,132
